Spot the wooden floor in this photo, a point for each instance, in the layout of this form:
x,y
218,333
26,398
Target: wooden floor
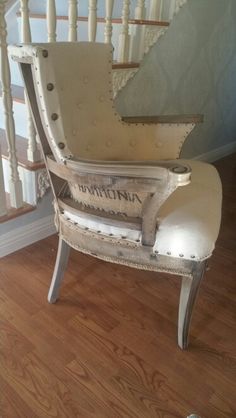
x,y
108,348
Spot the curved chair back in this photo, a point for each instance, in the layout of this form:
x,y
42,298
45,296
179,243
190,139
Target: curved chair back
x,y
73,85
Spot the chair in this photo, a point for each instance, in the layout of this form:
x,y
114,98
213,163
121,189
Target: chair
x,y
121,193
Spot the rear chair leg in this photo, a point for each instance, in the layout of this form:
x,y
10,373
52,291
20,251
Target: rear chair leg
x,y
59,270
189,290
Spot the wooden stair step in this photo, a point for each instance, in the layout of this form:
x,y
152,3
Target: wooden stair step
x,y
124,65
21,147
13,212
175,119
103,20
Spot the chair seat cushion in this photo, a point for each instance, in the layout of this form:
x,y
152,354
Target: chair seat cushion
x,y
188,222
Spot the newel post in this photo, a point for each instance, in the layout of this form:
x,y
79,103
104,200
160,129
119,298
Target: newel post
x,y
33,153
15,185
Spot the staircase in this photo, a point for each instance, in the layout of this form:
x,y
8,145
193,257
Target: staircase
x,y
133,27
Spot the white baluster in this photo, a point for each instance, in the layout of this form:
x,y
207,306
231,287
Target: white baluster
x,y
140,10
124,37
108,24
15,186
33,153
72,16
174,7
92,20
3,203
51,20
138,33
155,10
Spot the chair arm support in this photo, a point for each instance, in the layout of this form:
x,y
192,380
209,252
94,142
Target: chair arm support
x,y
131,176
154,202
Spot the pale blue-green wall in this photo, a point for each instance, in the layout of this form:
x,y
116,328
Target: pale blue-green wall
x,y
192,69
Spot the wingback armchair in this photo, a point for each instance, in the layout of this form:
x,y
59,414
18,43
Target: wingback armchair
x,y
121,193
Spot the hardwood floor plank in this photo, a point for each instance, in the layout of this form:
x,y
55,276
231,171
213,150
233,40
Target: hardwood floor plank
x,y
11,405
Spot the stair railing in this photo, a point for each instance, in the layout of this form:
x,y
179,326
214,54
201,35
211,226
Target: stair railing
x,y
15,185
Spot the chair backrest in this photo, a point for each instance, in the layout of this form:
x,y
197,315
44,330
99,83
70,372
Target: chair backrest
x,y
72,109
73,84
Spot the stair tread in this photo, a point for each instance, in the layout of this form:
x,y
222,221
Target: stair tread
x,y
13,212
124,65
102,20
175,119
21,146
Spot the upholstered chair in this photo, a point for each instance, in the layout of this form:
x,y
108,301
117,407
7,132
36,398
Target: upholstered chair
x,y
121,193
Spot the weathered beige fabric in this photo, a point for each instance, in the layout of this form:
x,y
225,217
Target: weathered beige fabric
x,y
87,122
187,228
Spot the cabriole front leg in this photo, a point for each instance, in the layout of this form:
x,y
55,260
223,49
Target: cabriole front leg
x,y
188,294
59,270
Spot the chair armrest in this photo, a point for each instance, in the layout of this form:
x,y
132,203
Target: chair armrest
x,y
169,119
158,182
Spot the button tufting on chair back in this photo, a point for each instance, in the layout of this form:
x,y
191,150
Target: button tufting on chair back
x,y
120,192
79,102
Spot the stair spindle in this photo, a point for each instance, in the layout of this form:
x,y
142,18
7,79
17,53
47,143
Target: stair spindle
x,y
72,16
156,9
3,203
15,185
124,37
140,10
51,20
108,19
137,38
92,20
33,153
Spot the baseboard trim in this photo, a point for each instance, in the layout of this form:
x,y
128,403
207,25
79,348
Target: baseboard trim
x,y
217,153
26,235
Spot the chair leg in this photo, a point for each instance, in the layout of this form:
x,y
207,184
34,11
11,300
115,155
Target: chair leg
x,y
59,270
189,290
